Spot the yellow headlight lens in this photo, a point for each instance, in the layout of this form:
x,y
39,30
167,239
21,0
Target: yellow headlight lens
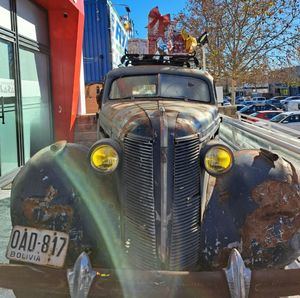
x,y
104,158
218,160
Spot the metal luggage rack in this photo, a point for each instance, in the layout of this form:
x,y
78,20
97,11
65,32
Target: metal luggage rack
x,y
188,60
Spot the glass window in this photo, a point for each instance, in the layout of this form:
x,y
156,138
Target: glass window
x,y
8,135
278,118
5,14
271,115
32,21
184,87
165,86
288,119
293,118
137,86
34,68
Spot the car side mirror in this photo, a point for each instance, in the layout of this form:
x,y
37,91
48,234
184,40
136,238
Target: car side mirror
x,y
99,98
285,121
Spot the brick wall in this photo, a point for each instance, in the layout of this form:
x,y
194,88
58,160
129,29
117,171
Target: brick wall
x,y
86,129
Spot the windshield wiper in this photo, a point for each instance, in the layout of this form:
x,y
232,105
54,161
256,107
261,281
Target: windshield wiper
x,y
125,97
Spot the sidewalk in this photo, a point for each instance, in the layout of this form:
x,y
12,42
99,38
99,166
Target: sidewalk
x,y
4,194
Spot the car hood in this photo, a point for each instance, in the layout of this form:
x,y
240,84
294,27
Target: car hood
x,y
147,118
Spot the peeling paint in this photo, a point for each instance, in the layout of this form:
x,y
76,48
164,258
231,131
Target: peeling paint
x,y
42,211
278,217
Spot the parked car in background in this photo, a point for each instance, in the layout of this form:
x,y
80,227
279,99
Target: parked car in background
x,y
226,103
247,102
239,107
257,107
227,98
266,115
240,99
275,101
290,119
258,99
288,99
293,105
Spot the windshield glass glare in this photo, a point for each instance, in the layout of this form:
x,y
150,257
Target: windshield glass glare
x,y
278,118
164,85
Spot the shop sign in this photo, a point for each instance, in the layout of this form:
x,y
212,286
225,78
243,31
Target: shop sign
x,y
119,37
7,87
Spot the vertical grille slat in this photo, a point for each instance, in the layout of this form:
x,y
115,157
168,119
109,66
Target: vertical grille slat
x,y
185,236
139,202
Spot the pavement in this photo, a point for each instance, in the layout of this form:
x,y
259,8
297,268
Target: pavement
x,y
5,228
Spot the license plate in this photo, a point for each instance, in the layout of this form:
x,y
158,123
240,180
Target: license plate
x,y
37,246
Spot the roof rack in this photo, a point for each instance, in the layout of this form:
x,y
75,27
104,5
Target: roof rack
x,y
148,59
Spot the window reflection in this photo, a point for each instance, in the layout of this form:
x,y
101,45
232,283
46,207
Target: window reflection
x,y
35,101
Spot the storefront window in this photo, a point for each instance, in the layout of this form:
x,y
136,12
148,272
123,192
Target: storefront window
x,y
34,68
5,14
32,21
8,135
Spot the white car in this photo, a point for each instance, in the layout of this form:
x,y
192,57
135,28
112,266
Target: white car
x,y
285,101
259,99
290,119
293,105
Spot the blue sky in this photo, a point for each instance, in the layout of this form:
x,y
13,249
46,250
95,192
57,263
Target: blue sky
x,y
140,9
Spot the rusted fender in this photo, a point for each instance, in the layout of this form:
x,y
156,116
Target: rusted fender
x,y
255,208
56,190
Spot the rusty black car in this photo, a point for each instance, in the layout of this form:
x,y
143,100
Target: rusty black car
x,y
158,190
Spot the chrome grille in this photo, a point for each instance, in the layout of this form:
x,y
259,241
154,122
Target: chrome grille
x,y
185,237
140,234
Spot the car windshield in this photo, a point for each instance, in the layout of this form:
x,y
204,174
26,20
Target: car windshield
x,y
163,85
278,118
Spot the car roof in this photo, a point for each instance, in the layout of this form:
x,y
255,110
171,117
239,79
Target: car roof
x,y
294,96
268,111
154,69
291,113
260,105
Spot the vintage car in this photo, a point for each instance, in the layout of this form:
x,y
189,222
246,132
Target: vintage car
x,y
157,191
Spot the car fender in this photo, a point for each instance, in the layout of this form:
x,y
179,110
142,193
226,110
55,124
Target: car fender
x,y
256,208
58,190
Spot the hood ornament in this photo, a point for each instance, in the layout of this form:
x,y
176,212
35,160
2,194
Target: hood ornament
x,y
81,277
237,275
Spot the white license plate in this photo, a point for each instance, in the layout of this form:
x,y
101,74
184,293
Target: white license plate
x,y
37,246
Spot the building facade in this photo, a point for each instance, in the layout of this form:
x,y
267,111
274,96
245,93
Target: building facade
x,y
40,55
105,39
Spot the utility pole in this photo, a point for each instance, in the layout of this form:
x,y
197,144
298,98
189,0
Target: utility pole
x,y
204,57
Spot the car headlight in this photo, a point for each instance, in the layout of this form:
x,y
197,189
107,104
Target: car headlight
x,y
217,159
104,156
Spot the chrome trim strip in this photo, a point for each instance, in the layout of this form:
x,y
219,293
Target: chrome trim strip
x,y
164,134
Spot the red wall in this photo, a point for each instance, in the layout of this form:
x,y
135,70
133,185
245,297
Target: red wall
x,y
66,20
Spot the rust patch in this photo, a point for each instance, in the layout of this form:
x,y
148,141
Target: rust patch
x,y
41,212
276,219
221,259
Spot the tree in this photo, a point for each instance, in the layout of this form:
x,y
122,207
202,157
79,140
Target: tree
x,y
245,36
